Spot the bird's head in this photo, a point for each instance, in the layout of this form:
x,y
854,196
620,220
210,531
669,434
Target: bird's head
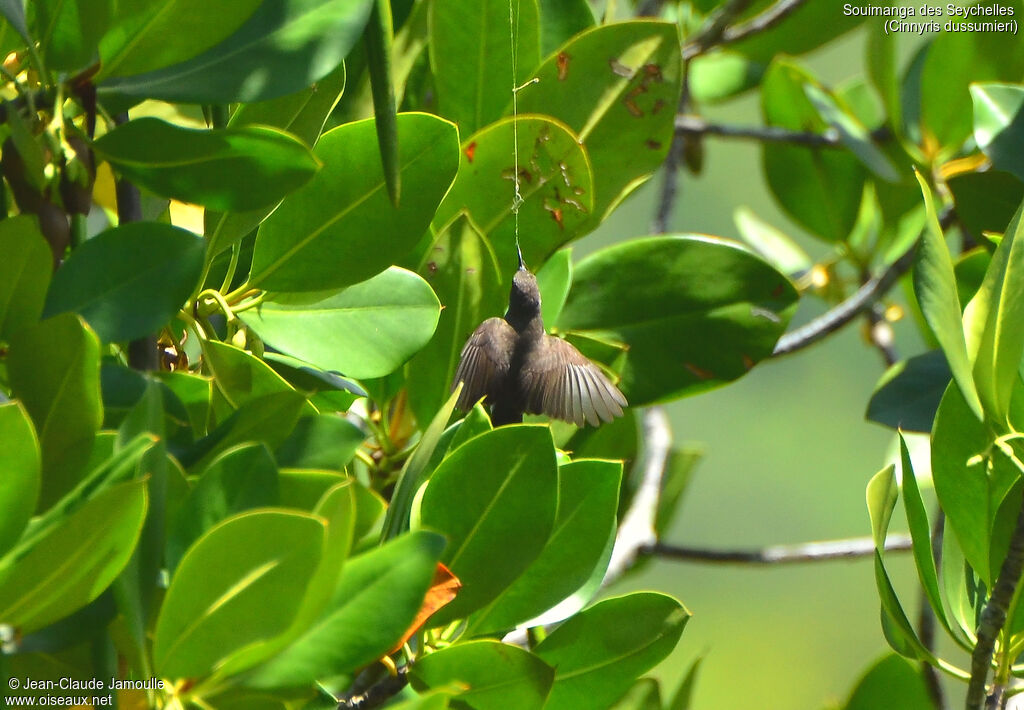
x,y
523,299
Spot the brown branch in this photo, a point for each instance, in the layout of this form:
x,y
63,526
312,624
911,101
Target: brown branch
x,y
993,618
765,21
695,125
846,549
714,28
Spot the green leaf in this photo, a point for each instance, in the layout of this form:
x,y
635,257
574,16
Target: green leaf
x,y
554,280
985,202
882,493
498,37
935,288
415,471
14,11
366,330
500,486
890,682
241,478
128,281
378,39
598,653
908,394
555,185
324,441
778,248
69,30
376,600
495,675
999,124
53,368
682,698
224,169
820,188
240,377
695,312
254,565
644,694
301,114
968,492
74,561
617,87
852,134
994,323
285,46
151,34
303,488
341,228
19,460
560,20
463,273
588,493
24,273
806,27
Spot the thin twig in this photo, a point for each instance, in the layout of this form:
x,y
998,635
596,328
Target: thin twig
x,y
636,531
714,28
993,618
673,161
864,298
850,548
765,21
696,125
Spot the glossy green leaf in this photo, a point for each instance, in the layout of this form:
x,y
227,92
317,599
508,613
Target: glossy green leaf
x,y
128,281
555,185
194,392
19,460
935,288
968,492
14,11
695,312
554,280
463,274
240,479
303,488
285,46
994,323
416,470
495,675
778,248
961,589
68,31
324,441
240,377
306,377
920,533
224,169
342,228
882,493
890,682
588,493
151,34
24,273
301,114
999,124
254,565
498,37
953,61
852,134
560,20
376,600
53,368
74,561
820,188
500,486
985,202
617,87
598,653
908,394
366,330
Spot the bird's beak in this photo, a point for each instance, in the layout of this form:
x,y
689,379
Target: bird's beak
x,y
522,266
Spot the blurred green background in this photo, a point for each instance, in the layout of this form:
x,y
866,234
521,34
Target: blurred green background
x,y
788,454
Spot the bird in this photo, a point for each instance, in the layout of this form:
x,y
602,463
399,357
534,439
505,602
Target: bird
x,y
518,368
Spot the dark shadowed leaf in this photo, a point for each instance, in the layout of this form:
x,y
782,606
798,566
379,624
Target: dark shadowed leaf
x,y
908,394
24,273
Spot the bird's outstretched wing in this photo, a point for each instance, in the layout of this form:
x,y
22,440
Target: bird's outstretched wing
x,y
484,363
560,382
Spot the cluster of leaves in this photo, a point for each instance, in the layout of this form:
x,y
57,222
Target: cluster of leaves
x,y
284,503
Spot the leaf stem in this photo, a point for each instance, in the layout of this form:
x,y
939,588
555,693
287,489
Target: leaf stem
x,y
229,275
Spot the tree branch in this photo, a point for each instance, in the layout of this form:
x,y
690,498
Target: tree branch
x,y
765,21
993,618
714,28
846,549
378,693
695,125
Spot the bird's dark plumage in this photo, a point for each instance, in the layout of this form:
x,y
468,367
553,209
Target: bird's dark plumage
x,y
519,368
